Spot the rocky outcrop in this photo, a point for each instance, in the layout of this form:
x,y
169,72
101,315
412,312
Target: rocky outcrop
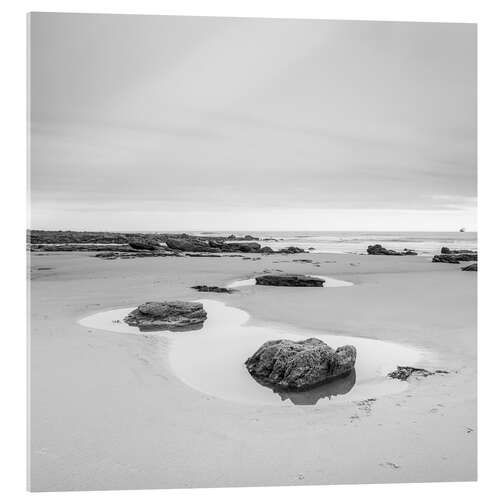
x,y
380,250
190,245
289,280
291,250
296,366
471,267
405,372
174,315
268,250
449,258
448,251
145,245
250,247
446,258
215,289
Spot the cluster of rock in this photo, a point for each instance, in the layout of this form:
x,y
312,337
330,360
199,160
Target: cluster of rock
x,y
380,250
215,289
57,241
448,256
296,366
173,315
289,280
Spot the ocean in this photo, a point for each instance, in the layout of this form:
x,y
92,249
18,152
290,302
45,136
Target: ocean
x,y
424,243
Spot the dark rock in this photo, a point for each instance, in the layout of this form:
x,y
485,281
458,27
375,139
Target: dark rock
x,y
404,372
446,250
289,280
145,245
174,315
288,250
251,247
296,366
215,289
202,255
470,267
466,257
190,245
380,250
266,250
306,261
449,258
446,258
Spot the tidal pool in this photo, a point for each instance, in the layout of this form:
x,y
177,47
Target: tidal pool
x,y
329,283
211,359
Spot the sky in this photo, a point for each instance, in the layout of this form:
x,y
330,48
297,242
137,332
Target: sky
x,y
190,123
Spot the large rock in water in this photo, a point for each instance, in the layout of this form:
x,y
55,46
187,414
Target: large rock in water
x,y
172,315
289,280
290,365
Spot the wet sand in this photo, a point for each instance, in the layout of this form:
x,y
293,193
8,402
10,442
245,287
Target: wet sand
x,y
109,412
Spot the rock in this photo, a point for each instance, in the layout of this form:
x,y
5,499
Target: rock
x,y
449,258
296,366
446,258
470,267
202,255
446,250
380,250
172,315
405,372
466,257
289,280
145,245
215,289
291,250
306,261
266,250
251,247
190,245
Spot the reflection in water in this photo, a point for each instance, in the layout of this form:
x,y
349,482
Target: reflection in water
x,y
341,385
163,328
211,359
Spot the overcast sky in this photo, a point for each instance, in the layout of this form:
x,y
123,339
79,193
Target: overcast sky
x,y
172,123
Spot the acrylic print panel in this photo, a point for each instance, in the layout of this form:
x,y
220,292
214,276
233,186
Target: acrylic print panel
x,y
252,252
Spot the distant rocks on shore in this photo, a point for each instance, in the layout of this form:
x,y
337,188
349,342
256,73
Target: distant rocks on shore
x,y
380,250
173,315
296,366
455,257
215,289
446,250
298,280
73,241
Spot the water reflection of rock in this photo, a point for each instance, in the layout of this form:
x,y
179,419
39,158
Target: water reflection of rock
x,y
340,385
163,328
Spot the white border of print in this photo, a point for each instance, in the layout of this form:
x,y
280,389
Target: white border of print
x,y
13,365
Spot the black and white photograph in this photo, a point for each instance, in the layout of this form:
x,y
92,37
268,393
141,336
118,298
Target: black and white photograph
x,y
252,252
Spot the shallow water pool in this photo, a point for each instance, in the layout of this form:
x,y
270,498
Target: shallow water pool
x,y
329,283
211,359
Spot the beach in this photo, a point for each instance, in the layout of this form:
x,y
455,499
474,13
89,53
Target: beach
x,y
108,411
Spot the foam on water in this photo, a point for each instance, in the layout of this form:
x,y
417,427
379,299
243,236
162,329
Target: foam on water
x,y
211,360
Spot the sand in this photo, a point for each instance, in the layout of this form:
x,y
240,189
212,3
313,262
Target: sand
x,y
108,412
